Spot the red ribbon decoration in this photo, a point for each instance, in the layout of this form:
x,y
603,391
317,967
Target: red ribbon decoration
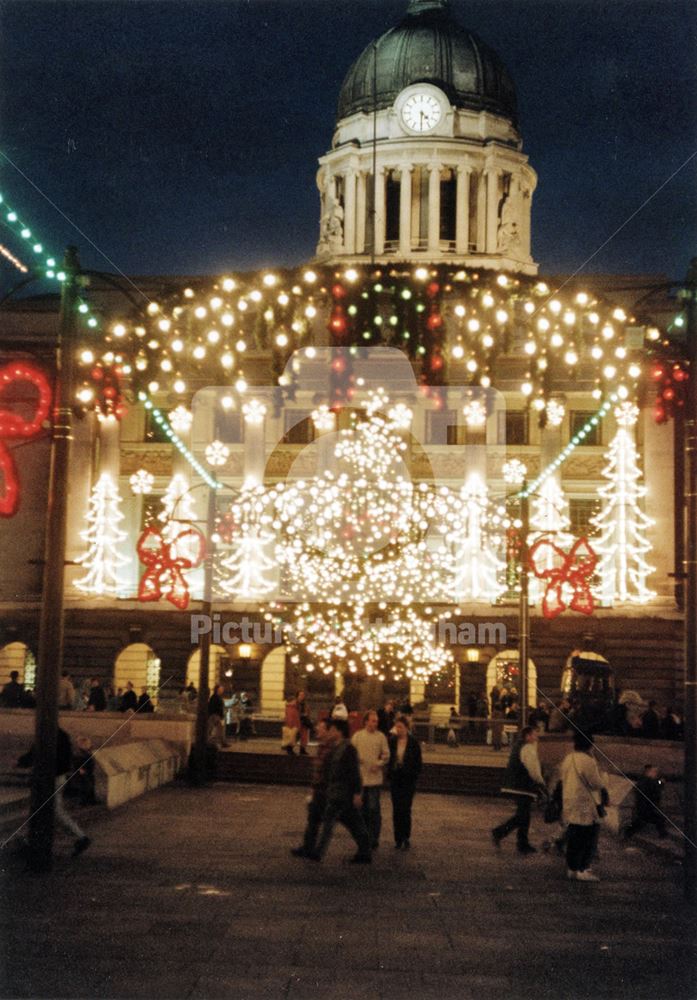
x,y
13,426
575,568
165,563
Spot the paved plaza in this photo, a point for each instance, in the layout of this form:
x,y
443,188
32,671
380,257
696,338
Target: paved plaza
x,y
193,894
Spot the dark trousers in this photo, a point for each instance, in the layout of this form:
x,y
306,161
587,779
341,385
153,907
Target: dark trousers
x,y
346,813
580,845
402,797
520,821
654,818
315,812
371,812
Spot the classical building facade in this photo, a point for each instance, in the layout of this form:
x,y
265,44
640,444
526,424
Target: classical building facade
x,y
425,194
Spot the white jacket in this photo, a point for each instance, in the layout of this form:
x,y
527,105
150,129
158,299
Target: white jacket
x,y
581,785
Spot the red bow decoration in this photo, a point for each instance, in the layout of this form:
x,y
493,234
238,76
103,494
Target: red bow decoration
x,y
14,426
165,563
574,568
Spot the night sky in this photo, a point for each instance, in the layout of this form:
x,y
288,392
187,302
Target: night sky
x,y
183,137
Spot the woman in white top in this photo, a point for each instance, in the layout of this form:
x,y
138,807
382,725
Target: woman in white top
x,y
583,792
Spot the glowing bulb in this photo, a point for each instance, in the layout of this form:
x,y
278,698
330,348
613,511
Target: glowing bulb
x,y
213,336
526,389
310,277
87,357
179,385
421,274
177,345
199,352
228,285
227,359
459,311
282,339
571,357
241,346
119,330
458,352
200,312
310,312
473,325
241,385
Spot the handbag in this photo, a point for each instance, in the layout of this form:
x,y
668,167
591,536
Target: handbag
x,y
289,735
553,806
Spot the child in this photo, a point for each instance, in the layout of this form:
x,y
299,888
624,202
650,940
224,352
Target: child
x,y
648,801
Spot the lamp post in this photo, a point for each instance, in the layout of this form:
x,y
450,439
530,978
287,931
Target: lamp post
x,y
524,605
690,513
50,658
198,773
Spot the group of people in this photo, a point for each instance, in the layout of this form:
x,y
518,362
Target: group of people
x,y
227,712
582,796
347,778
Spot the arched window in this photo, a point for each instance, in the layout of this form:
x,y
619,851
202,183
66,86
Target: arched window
x,y
139,664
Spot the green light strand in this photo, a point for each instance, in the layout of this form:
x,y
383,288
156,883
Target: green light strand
x,y
162,421
575,441
48,264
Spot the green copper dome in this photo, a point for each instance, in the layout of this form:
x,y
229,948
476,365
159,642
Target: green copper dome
x,y
429,46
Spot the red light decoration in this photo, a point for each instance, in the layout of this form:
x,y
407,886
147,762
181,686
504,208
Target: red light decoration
x,y
166,563
13,426
670,382
574,568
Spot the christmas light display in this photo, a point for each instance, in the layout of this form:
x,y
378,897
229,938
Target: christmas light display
x,y
14,426
103,536
622,543
567,576
549,520
166,561
9,256
478,571
247,571
142,482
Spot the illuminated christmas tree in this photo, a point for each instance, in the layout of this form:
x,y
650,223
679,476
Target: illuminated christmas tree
x,y
249,565
103,536
622,543
549,519
477,569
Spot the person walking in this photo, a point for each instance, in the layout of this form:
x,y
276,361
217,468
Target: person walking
x,y
648,804
584,796
343,795
403,771
373,756
524,782
64,767
216,717
318,799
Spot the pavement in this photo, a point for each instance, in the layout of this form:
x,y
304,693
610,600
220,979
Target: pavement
x,y
192,893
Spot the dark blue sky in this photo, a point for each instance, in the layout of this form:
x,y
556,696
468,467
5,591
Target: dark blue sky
x,y
183,137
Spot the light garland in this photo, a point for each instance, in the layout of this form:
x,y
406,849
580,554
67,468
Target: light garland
x,y
15,261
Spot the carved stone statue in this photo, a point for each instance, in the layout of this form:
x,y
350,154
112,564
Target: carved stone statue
x,y
508,237
331,227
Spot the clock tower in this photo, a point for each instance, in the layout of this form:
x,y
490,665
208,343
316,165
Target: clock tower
x,y
426,164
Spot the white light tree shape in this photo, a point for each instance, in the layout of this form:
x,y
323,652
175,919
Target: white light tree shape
x,y
549,519
477,569
103,536
622,542
248,564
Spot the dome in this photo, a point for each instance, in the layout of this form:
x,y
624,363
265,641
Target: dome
x,y
429,46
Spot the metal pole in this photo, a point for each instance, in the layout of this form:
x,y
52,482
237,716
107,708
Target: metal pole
x,y
375,152
50,658
199,758
524,607
690,865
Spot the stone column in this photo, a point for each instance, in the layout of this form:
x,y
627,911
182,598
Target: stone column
x,y
380,212
492,208
360,212
254,413
324,421
350,211
434,208
462,210
481,212
405,212
659,502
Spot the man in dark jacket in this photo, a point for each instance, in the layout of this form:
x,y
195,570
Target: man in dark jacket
x,y
650,723
216,717
318,801
523,781
648,804
343,794
12,692
64,767
97,699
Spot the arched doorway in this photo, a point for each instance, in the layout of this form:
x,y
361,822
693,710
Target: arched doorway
x,y
503,670
139,664
218,665
17,656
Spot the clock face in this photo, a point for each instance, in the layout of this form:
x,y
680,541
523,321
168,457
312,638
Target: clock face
x,y
421,112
